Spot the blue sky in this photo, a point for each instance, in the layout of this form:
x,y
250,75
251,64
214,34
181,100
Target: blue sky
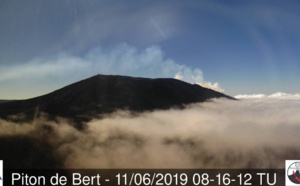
x,y
247,47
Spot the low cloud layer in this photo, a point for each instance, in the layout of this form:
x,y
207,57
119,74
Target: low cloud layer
x,y
46,75
278,95
218,134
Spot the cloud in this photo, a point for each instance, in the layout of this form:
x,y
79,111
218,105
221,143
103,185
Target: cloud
x,y
278,95
213,86
196,76
219,134
43,68
124,59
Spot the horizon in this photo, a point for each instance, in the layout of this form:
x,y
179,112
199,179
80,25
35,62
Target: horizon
x,y
276,95
244,48
107,75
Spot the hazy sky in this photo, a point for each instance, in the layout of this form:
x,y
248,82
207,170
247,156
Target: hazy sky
x,y
247,47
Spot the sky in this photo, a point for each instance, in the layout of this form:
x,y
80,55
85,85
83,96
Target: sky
x,y
238,47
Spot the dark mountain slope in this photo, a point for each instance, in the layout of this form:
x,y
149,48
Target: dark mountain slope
x,y
3,101
104,94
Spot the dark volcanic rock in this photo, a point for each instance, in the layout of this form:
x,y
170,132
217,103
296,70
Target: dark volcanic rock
x,y
104,94
23,152
3,101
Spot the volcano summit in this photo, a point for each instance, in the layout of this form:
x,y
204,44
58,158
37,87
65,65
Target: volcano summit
x,y
103,94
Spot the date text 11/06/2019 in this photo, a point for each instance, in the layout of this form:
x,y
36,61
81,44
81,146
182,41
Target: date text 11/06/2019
x,y
196,179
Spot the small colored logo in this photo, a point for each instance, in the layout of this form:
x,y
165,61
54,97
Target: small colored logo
x,y
1,172
292,169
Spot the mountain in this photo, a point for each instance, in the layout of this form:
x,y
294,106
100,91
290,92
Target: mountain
x,y
82,101
2,101
107,93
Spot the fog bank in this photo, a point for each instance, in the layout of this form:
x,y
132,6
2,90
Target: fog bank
x,y
218,134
